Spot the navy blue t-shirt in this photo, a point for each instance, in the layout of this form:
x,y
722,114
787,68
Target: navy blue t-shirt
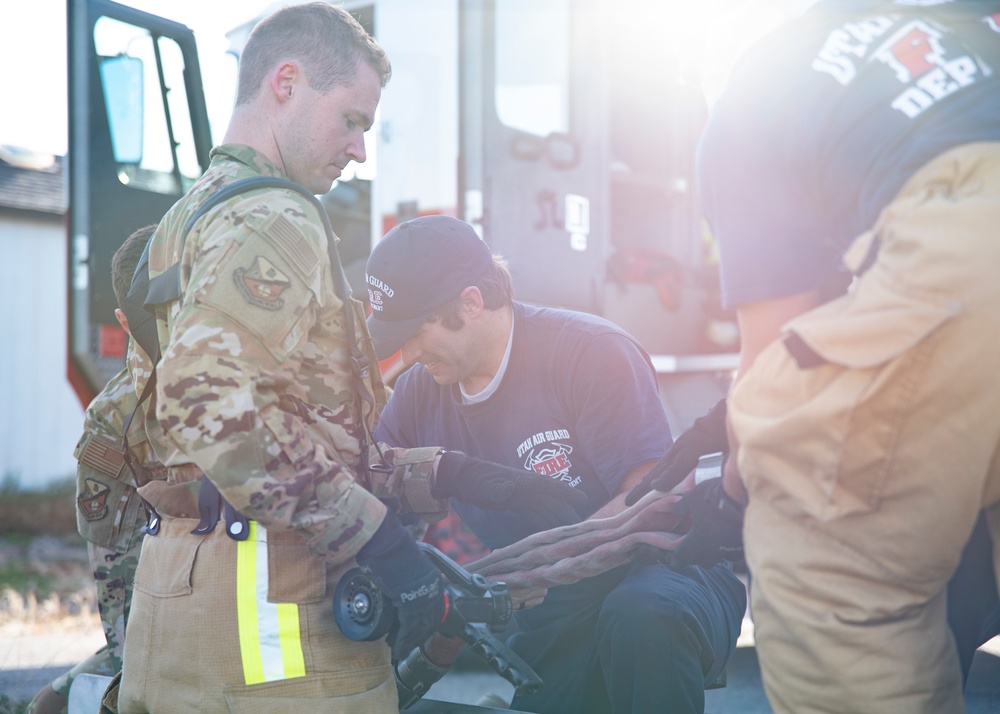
x,y
824,121
578,402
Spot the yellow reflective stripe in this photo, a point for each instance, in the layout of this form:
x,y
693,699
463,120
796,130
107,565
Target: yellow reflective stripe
x,y
246,607
270,641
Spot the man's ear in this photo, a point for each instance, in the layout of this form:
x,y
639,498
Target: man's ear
x,y
285,80
122,320
472,302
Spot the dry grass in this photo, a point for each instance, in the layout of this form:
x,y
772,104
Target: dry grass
x,y
44,571
46,584
48,511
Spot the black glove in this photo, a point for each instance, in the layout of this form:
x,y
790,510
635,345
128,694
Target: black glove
x,y
706,436
410,579
716,526
501,488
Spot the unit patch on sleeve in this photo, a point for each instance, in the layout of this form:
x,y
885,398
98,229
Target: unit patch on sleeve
x,y
93,501
261,284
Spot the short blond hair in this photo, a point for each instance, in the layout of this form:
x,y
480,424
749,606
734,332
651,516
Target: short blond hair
x,y
325,39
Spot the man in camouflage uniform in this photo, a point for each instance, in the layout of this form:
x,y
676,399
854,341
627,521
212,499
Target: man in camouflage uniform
x,y
256,397
109,511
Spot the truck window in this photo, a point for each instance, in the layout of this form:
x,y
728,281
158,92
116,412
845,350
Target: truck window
x,y
532,65
142,75
138,139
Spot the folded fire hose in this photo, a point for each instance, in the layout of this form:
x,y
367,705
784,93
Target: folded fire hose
x,y
516,577
569,554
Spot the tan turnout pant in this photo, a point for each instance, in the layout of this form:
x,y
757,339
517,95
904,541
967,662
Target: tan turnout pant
x,y
221,626
866,471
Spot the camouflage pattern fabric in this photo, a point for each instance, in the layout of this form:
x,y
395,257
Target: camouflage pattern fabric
x,y
109,516
54,698
255,383
410,480
110,513
114,574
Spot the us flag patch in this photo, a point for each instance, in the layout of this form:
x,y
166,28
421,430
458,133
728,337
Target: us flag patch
x,y
102,454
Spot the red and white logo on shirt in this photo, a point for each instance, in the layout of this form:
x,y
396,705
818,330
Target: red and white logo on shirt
x,y
919,60
547,454
915,53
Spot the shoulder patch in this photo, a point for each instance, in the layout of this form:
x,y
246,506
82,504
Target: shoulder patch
x,y
93,501
261,283
101,453
289,239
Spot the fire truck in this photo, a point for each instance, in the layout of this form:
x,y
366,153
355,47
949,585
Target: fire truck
x,y
564,131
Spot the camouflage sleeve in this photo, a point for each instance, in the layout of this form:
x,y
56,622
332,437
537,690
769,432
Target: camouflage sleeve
x,y
103,413
410,479
139,366
255,383
109,512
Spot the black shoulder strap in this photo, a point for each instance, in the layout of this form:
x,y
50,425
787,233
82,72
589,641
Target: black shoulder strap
x,y
340,284
145,293
141,322
166,286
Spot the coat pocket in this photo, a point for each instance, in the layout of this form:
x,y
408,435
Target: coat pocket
x,y
166,565
869,326
818,416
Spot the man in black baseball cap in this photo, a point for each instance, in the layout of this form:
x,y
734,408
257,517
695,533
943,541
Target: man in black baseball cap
x,y
565,396
418,267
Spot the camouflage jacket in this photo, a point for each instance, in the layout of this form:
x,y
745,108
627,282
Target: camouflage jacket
x,y
255,383
109,512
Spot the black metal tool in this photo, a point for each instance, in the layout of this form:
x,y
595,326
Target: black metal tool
x,y
477,609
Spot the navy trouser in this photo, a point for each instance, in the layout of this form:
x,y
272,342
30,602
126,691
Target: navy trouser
x,y
640,638
973,602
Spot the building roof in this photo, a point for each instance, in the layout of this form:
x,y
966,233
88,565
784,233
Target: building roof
x,y
31,182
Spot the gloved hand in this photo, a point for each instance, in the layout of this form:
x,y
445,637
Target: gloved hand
x,y
706,436
500,488
716,526
410,579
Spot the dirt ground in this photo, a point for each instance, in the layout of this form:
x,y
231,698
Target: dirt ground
x,y
48,603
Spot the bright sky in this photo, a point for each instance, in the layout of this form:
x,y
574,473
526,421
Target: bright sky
x,y
33,112
34,106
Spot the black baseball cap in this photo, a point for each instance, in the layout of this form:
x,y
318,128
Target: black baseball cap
x,y
415,269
